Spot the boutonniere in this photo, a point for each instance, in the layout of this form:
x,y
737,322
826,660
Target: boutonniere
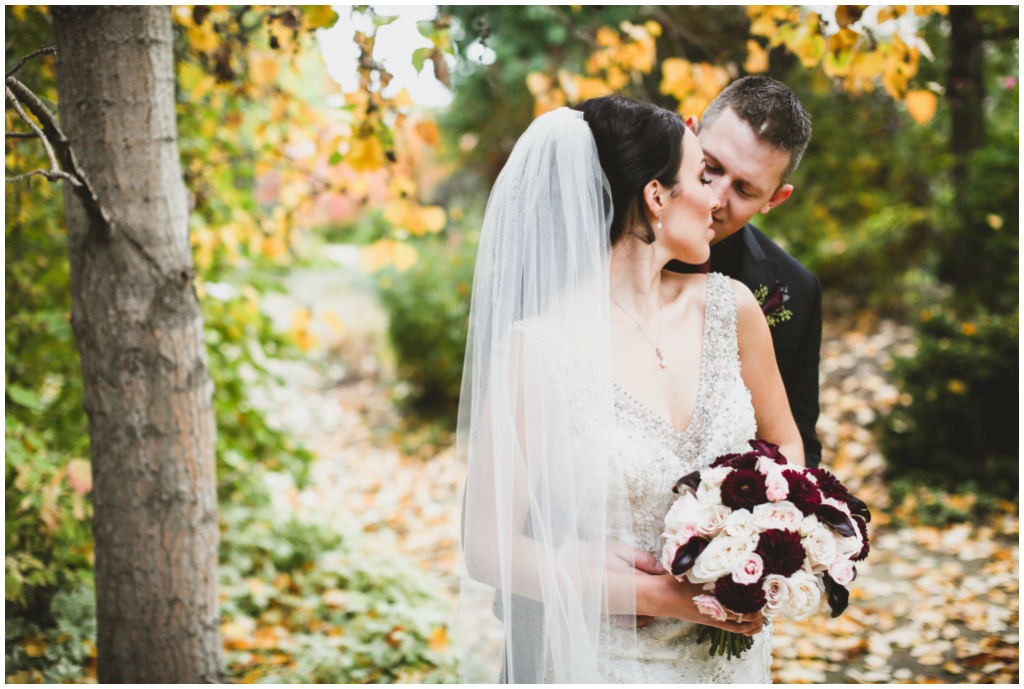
x,y
772,303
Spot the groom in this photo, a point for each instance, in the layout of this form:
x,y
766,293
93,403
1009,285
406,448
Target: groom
x,y
753,135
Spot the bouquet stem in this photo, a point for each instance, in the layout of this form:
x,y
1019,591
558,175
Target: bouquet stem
x,y
725,643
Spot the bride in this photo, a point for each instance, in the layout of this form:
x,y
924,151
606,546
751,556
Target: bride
x,y
594,379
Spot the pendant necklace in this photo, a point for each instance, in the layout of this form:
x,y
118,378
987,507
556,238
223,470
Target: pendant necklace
x,y
661,313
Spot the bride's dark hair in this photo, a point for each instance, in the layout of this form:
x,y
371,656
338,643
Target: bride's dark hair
x,y
637,142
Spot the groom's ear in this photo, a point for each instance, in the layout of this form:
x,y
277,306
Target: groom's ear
x,y
780,195
693,123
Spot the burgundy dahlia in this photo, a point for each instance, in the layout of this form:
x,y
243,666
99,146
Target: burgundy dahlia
x,y
829,485
864,532
743,599
744,488
725,460
802,492
781,551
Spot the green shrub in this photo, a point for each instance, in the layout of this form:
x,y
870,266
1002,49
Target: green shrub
x,y
428,310
959,423
306,600
63,652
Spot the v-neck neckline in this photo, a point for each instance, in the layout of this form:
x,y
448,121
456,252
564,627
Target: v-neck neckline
x,y
701,380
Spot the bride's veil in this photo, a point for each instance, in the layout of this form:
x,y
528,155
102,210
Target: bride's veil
x,y
540,499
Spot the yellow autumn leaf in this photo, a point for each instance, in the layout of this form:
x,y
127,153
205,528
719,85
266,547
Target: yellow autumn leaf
x,y
676,77
365,154
403,99
849,14
891,12
417,220
319,16
386,252
203,38
868,65
925,10
538,83
429,132
607,37
305,341
653,28
921,105
810,50
589,87
757,58
334,323
895,82
401,185
552,100
844,39
19,12
35,646
263,69
438,641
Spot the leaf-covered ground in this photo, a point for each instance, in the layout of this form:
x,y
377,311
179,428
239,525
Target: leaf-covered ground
x,y
931,604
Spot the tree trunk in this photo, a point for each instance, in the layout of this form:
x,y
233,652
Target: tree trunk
x,y
966,93
135,314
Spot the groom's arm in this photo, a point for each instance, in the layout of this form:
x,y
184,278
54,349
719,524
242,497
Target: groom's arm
x,y
801,382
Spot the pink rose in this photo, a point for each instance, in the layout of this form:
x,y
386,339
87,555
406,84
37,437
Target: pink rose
x,y
711,521
748,569
842,571
709,605
668,553
765,465
778,515
776,486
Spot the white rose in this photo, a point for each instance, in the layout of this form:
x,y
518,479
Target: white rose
x,y
709,495
711,520
805,596
848,546
776,595
718,558
714,476
740,523
778,515
809,524
820,546
683,511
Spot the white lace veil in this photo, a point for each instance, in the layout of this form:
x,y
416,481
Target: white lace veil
x,y
540,502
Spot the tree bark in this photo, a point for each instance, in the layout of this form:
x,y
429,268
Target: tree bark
x,y
137,320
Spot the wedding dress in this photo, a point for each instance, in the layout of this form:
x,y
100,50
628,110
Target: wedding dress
x,y
558,460
651,455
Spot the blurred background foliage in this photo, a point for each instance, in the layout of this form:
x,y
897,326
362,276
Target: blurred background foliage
x,y
890,211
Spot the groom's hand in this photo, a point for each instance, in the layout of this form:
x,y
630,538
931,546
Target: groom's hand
x,y
622,556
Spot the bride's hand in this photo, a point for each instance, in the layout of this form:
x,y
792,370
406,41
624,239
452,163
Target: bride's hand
x,y
673,598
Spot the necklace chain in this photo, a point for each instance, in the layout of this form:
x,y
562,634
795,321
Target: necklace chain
x,y
661,315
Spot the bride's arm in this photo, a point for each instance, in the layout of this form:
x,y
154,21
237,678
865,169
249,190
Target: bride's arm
x,y
761,375
495,513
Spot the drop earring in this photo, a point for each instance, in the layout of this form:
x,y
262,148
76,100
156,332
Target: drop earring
x,y
658,226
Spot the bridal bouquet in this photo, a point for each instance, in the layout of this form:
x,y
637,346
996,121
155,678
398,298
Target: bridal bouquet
x,y
765,535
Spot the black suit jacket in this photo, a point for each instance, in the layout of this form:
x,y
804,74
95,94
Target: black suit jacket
x,y
755,260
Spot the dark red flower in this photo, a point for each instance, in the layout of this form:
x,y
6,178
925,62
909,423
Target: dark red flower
x,y
743,488
767,449
802,492
838,596
725,460
687,554
864,533
829,485
691,481
743,599
774,301
781,551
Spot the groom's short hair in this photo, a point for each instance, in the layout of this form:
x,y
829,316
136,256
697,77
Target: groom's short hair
x,y
772,110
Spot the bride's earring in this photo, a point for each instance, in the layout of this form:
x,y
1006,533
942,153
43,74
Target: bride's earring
x,y
658,226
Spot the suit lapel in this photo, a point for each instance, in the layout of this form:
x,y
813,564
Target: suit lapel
x,y
754,273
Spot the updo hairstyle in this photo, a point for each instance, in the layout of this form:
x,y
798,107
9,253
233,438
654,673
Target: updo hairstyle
x,y
636,142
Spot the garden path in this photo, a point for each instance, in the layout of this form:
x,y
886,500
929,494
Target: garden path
x,y
929,605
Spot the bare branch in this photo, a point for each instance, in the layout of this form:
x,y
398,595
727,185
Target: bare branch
x,y
20,135
51,50
52,175
54,167
51,134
